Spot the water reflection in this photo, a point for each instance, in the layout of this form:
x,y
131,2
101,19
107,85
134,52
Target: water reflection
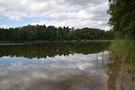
x,y
51,49
72,71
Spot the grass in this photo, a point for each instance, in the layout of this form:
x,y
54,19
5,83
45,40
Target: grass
x,y
124,50
131,70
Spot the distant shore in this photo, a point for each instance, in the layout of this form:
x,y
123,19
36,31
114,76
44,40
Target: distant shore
x,y
56,41
64,41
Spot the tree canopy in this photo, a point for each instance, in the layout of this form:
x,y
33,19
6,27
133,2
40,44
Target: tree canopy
x,y
52,33
122,17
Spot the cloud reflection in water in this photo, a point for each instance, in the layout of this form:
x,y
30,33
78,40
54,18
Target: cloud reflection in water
x,y
74,72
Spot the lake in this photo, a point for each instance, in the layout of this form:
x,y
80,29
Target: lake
x,y
54,66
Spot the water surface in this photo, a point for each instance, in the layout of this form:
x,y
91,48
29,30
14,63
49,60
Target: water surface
x,y
54,66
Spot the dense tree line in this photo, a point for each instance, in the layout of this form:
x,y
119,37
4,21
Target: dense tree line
x,y
52,33
122,17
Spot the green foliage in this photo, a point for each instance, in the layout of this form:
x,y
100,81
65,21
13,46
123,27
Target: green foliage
x,y
52,33
123,52
124,49
122,21
122,17
131,70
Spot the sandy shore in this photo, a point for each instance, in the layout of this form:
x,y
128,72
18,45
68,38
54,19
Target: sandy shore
x,y
125,81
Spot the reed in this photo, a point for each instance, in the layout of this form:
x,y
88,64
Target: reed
x,y
124,50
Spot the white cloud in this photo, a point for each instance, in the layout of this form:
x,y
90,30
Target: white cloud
x,y
5,26
24,75
73,13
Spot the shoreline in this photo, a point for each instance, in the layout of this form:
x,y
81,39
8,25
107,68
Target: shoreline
x,y
125,81
64,41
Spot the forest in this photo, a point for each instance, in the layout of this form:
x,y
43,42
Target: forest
x,y
52,33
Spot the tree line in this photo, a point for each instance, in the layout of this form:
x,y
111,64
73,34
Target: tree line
x,y
52,33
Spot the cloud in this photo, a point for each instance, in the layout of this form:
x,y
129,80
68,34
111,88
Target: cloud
x,y
73,13
22,74
5,26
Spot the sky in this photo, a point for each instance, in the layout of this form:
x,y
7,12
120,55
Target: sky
x,y
72,13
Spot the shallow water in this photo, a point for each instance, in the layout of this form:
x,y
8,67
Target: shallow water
x,y
54,66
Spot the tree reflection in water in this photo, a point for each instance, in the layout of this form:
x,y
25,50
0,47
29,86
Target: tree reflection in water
x,y
54,66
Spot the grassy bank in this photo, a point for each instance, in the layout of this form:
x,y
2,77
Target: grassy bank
x,y
124,50
123,57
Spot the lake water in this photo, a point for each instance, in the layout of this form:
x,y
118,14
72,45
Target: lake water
x,y
54,66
